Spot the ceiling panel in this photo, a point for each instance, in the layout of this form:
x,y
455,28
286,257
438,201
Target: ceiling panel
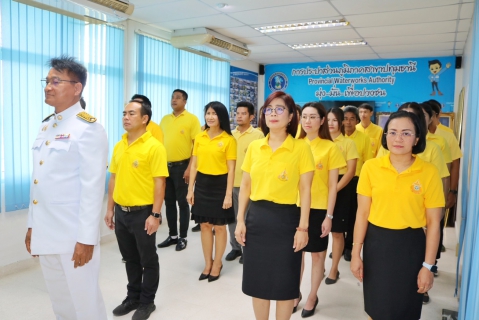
x,y
467,10
416,48
282,60
431,38
464,25
461,36
373,6
260,41
404,17
246,5
347,57
339,34
144,3
174,11
291,13
244,31
418,54
212,22
289,54
408,29
336,51
270,48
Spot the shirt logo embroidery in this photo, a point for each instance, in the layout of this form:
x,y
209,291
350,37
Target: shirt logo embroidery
x,y
182,131
416,187
319,165
135,164
220,144
283,176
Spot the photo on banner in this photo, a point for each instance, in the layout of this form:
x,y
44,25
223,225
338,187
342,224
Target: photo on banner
x,y
243,87
387,82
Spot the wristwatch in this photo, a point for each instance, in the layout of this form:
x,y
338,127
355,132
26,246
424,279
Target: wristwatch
x,y
156,215
329,216
430,267
453,191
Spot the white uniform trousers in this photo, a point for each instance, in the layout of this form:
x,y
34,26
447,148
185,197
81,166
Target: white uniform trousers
x,y
75,293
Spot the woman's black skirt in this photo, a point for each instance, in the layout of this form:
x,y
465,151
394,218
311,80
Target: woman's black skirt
x,y
210,192
392,261
271,268
344,204
315,242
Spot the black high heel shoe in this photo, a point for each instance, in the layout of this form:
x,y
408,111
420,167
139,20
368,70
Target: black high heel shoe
x,y
204,276
296,307
308,313
214,278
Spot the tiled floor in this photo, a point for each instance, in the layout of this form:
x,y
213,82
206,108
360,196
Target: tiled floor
x,y
181,296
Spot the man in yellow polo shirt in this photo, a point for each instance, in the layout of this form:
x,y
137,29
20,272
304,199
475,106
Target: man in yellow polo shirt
x,y
244,135
363,145
374,132
135,194
180,128
152,126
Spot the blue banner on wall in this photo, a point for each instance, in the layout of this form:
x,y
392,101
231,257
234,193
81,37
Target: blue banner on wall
x,y
388,83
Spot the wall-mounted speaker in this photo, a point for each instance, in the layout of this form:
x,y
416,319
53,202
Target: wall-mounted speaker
x,y
458,62
261,69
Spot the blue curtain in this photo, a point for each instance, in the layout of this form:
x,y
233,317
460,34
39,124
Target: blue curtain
x,y
163,68
469,238
30,37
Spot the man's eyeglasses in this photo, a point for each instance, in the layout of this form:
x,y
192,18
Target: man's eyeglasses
x,y
54,81
403,135
278,110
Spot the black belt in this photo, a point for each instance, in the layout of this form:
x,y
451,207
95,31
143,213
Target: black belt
x,y
178,163
133,208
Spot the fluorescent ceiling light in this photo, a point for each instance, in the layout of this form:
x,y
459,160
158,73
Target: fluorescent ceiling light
x,y
303,26
328,44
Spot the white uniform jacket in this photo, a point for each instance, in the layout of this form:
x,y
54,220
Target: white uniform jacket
x,y
68,183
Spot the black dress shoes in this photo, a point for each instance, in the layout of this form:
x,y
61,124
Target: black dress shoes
x,y
204,276
181,245
126,307
241,260
196,228
295,308
143,312
168,242
214,278
308,313
233,255
347,254
332,281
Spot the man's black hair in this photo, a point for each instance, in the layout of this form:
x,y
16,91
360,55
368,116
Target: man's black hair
x,y
246,104
183,93
143,98
82,103
435,61
145,109
353,110
69,64
366,106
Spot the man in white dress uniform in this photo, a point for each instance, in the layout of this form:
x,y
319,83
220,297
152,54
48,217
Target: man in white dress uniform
x,y
70,156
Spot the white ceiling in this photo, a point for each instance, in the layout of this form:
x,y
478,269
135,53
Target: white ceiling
x,y
392,28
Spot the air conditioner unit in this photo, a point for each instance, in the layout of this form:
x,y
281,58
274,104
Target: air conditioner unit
x,y
209,43
93,11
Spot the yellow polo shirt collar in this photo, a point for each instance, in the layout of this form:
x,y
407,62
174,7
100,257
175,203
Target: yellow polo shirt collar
x,y
287,144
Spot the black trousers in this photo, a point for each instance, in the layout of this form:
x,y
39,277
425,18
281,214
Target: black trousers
x,y
176,190
349,237
139,251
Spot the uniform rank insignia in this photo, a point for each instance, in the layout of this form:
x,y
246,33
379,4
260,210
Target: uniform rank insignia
x,y
416,187
87,117
135,164
63,136
283,176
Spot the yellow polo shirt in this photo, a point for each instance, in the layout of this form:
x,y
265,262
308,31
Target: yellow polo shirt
x,y
363,145
155,130
179,132
242,142
213,154
451,141
298,132
442,143
431,154
375,134
326,157
443,127
399,200
275,175
134,167
348,150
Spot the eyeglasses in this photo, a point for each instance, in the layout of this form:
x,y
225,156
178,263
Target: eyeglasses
x,y
312,118
278,110
54,81
403,135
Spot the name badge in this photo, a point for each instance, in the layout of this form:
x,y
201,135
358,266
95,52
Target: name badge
x,y
62,136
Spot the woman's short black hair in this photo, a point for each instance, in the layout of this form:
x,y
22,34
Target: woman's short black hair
x,y
290,105
421,143
426,107
222,113
417,110
339,115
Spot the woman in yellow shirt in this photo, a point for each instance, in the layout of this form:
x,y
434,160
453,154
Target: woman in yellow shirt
x,y
327,159
346,190
210,190
275,169
398,195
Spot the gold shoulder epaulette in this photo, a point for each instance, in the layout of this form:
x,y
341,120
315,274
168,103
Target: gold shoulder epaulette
x,y
47,118
87,117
